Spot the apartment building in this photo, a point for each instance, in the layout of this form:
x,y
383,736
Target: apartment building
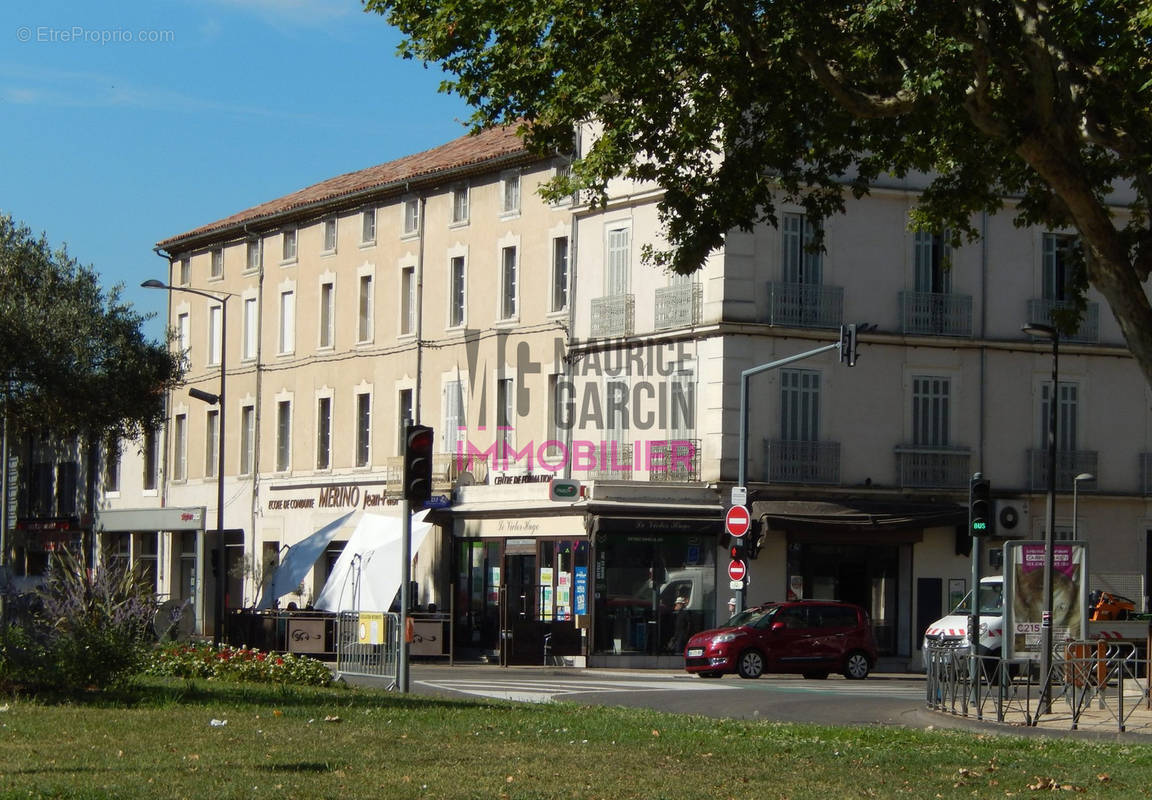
x,y
532,336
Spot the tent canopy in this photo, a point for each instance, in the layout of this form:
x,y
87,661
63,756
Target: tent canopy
x,y
297,561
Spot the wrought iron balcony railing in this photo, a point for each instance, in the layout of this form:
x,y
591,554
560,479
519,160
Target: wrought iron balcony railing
x,y
804,305
678,306
613,463
935,314
613,315
801,462
674,461
1040,310
1146,473
1069,464
933,467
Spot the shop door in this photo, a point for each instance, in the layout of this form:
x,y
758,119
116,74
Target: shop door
x,y
521,638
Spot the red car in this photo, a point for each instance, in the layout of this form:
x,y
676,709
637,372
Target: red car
x,y
809,637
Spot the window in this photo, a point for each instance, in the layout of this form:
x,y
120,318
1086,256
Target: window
x,y
407,300
682,403
287,321
456,299
283,435
324,433
255,252
557,412
412,214
510,193
247,439
799,405
182,272
368,226
329,236
563,171
251,328
505,412
1058,260
215,318
363,429
404,407
800,263
289,246
151,475
931,411
217,263
211,443
182,335
180,448
459,204
112,467
453,416
616,264
933,255
364,327
560,273
327,311
508,282
1066,434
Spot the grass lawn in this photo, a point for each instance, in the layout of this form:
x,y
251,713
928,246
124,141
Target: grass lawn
x,y
159,741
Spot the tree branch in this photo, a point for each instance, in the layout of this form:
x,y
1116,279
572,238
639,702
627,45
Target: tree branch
x,y
861,104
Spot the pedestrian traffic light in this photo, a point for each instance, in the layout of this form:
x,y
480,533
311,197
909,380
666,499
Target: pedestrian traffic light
x,y
736,549
418,463
980,507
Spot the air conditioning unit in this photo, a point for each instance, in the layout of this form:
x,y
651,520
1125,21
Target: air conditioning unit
x,y
1012,520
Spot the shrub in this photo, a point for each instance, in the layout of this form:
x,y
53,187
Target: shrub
x,y
201,660
83,630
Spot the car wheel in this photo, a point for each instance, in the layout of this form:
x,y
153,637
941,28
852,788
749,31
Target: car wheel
x,y
711,674
751,664
856,666
815,676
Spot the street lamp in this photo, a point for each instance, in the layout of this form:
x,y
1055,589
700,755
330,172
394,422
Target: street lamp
x,y
1083,476
211,399
1042,331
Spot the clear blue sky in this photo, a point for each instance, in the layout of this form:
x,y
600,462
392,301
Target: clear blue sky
x,y
124,123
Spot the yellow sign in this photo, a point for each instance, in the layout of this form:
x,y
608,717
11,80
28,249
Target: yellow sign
x,y
371,629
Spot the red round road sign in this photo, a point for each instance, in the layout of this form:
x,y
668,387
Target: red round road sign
x,y
737,570
737,521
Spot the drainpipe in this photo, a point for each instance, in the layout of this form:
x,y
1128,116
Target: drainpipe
x,y
416,400
256,412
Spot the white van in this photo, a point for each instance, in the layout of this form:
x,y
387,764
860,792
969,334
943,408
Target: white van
x,y
952,630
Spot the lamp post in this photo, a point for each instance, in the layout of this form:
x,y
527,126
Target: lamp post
x,y
1083,476
221,576
1042,331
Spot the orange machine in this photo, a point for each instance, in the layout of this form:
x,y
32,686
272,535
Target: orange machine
x,y
1108,606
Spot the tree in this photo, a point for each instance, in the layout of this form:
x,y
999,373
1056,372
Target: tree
x,y
73,360
732,105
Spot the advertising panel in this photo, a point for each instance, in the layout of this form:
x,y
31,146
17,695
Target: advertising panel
x,y
1025,617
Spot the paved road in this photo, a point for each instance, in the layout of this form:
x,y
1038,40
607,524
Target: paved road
x,y
880,699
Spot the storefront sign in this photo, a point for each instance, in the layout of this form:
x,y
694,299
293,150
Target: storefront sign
x,y
372,494
570,526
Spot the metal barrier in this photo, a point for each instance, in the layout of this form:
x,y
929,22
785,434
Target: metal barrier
x,y
368,643
1109,673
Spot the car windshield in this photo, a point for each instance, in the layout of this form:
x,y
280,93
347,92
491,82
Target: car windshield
x,y
991,601
751,617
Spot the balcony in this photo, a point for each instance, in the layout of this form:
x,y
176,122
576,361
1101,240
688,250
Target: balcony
x,y
613,315
1040,310
801,462
935,314
678,306
804,305
933,467
1068,466
676,461
1146,473
613,464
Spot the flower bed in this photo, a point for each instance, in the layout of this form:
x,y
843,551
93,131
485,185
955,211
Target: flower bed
x,y
196,660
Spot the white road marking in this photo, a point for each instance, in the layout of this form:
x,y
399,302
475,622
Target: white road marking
x,y
542,691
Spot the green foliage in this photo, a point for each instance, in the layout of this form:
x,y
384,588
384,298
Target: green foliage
x,y
193,660
734,108
74,357
85,630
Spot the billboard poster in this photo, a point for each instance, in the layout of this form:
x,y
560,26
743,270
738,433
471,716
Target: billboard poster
x,y
1024,595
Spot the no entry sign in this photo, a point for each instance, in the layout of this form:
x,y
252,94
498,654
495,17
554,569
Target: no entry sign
x,y
737,570
737,521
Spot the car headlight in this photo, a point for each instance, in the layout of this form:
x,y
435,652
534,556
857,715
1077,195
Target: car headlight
x,y
727,637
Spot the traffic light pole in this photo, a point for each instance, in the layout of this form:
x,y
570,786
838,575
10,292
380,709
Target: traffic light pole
x,y
405,579
974,607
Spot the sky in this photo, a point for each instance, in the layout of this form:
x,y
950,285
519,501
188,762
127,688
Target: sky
x,y
125,123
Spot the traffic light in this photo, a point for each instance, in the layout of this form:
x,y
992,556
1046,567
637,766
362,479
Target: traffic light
x,y
418,463
736,549
848,344
980,507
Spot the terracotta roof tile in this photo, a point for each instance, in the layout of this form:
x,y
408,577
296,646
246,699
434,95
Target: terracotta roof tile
x,y
457,154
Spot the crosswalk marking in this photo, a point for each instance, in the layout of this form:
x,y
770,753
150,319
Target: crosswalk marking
x,y
541,691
